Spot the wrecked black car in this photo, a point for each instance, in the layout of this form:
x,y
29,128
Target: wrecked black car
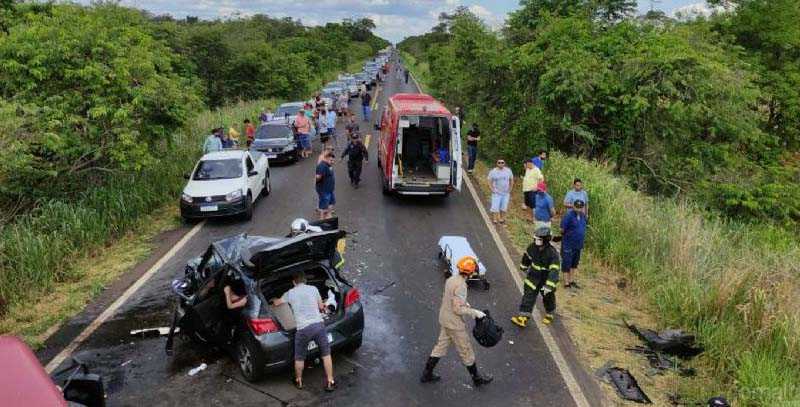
x,y
260,336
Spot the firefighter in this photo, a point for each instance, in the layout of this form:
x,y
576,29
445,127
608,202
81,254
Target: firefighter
x,y
453,329
542,264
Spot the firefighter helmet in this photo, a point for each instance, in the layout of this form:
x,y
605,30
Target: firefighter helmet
x,y
467,265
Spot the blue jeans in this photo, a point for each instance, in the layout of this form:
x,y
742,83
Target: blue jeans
x,y
366,112
472,152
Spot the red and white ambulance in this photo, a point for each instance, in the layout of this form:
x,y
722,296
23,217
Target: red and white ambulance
x,y
419,151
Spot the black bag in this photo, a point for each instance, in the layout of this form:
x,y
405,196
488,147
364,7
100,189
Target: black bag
x,y
486,332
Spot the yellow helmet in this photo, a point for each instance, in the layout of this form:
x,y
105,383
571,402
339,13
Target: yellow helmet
x,y
467,265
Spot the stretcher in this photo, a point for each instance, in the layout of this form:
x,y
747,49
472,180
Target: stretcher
x,y
453,248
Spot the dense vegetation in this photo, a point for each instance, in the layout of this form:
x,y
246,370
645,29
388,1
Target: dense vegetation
x,y
705,109
98,116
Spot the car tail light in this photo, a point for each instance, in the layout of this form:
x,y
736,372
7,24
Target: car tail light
x,y
262,325
352,297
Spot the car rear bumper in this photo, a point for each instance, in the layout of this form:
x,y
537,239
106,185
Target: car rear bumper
x,y
441,189
279,347
193,211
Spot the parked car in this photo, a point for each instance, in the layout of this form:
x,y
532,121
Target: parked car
x,y
413,128
225,183
276,140
288,111
260,336
24,382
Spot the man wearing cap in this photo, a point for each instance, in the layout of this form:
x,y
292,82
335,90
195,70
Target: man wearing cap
x,y
544,209
573,231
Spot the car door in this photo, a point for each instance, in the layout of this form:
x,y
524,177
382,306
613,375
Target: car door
x,y
254,183
206,314
456,177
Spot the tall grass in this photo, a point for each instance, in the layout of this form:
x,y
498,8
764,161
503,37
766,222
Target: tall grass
x,y
37,249
736,285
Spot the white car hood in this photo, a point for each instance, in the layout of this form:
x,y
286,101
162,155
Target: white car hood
x,y
212,187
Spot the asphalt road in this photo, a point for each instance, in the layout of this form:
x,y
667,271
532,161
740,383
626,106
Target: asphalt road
x,y
391,258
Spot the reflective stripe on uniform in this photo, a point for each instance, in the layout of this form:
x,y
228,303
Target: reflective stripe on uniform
x,y
551,283
530,284
340,263
539,268
555,267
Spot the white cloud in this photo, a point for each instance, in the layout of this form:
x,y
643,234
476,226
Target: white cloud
x,y
492,20
692,11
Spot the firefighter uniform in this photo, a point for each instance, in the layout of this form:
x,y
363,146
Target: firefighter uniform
x,y
451,318
542,264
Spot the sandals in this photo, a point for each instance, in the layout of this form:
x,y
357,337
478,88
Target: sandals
x,y
330,387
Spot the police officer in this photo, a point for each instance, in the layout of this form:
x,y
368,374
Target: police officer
x,y
356,154
453,329
542,264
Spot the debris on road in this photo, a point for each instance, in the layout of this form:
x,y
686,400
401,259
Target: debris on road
x,y
386,287
670,341
152,332
623,381
198,369
126,363
660,362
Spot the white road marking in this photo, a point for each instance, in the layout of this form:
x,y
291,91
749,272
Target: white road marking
x,y
566,373
103,317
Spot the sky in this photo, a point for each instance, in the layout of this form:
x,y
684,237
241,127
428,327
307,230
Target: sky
x,y
395,19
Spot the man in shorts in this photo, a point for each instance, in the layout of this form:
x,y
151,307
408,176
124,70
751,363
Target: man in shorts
x,y
325,185
501,181
302,126
307,308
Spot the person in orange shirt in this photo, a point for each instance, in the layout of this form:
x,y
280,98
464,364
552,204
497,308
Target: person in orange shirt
x,y
250,131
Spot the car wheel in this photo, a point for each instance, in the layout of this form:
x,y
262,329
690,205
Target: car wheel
x,y
250,358
248,212
354,344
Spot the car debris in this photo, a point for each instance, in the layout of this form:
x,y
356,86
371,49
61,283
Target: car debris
x,y
198,369
623,381
669,341
152,332
660,362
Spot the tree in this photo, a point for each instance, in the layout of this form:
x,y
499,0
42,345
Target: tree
x,y
612,11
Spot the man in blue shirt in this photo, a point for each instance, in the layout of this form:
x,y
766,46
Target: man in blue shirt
x,y
325,184
544,209
577,193
539,160
573,231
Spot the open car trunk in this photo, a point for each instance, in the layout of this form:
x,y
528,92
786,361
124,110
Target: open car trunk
x,y
419,143
329,290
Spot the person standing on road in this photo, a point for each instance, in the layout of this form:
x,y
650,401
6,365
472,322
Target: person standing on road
x,y
344,101
530,182
303,128
249,131
213,142
539,160
325,185
452,312
352,126
366,99
577,193
322,127
540,263
308,308
501,181
573,232
331,116
356,154
544,208
473,137
406,75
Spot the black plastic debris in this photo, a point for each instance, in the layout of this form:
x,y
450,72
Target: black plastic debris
x,y
486,332
661,362
670,341
626,385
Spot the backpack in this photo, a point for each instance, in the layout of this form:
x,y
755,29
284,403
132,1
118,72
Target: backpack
x,y
486,332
